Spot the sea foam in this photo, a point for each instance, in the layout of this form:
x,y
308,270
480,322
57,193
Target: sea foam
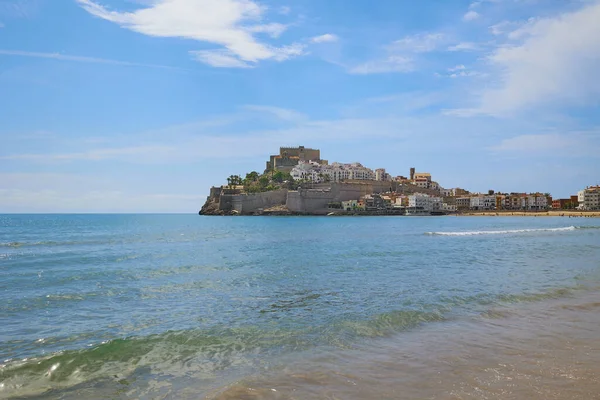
x,y
503,232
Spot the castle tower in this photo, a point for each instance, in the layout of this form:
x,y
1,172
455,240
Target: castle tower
x,y
412,174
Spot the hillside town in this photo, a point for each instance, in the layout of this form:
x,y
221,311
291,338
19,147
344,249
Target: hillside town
x,y
298,180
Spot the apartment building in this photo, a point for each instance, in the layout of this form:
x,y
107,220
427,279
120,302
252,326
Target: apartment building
x,y
589,198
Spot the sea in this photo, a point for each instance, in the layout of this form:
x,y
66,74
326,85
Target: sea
x,y
190,307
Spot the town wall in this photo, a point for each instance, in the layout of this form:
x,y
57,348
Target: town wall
x,y
215,193
313,201
226,202
316,200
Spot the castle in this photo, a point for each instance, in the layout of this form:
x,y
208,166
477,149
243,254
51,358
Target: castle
x,y
289,157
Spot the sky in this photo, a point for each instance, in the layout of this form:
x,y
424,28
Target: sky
x,y
142,105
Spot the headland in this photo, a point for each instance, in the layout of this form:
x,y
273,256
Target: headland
x,y
297,181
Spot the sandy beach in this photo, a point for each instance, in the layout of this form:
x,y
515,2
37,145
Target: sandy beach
x,y
541,350
550,213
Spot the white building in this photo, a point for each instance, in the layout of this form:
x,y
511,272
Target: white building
x,y
308,170
446,192
424,202
448,207
589,198
336,172
483,202
381,175
463,203
534,202
349,205
422,180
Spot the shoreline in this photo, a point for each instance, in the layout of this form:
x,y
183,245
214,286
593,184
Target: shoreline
x,y
550,213
507,351
501,213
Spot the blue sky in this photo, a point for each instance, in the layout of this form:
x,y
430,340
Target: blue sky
x,y
142,105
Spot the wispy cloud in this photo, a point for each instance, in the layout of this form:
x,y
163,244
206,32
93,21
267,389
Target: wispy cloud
x,y
388,64
572,144
278,112
464,46
72,192
135,153
419,43
18,8
84,59
459,67
401,55
557,61
471,16
460,71
328,37
221,58
231,24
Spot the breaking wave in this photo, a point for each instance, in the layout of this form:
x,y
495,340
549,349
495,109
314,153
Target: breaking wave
x,y
503,232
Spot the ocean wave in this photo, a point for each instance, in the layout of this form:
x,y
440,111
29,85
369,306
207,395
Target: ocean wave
x,y
206,351
172,353
504,232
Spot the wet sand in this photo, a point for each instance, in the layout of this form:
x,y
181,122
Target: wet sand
x,y
544,350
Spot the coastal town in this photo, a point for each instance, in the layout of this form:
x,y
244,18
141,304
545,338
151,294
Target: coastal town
x,y
298,181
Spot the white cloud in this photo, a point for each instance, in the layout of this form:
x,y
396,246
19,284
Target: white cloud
x,y
464,74
420,43
221,58
286,52
557,62
133,153
460,71
401,55
389,64
464,46
280,113
273,29
571,144
459,67
51,192
523,30
501,27
328,37
513,30
470,16
84,59
530,143
231,24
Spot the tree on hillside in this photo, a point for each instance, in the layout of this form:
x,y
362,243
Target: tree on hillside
x,y
252,176
234,180
281,176
263,181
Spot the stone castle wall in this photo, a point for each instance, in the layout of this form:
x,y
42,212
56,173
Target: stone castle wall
x,y
301,152
313,200
251,203
316,200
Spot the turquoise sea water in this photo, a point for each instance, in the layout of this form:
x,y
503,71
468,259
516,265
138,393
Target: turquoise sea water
x,y
140,306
